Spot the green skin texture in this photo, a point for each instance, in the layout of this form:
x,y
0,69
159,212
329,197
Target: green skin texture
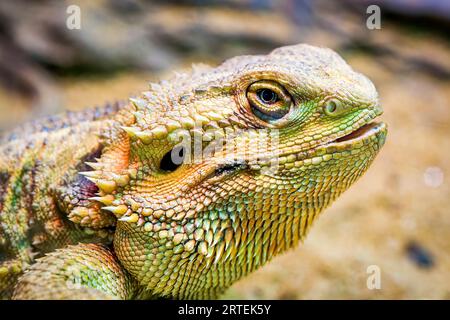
x,y
88,212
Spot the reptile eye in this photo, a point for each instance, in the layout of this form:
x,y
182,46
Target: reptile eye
x,y
269,101
333,107
267,96
172,159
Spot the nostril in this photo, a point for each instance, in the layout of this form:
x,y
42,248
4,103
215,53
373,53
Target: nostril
x,y
333,107
172,159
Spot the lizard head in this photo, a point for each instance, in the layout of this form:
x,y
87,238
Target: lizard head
x,y
214,172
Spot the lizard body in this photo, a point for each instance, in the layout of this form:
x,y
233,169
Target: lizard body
x,y
194,184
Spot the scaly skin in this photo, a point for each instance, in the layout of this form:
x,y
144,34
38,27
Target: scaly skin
x,y
282,136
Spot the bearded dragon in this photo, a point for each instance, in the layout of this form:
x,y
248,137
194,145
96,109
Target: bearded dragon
x,y
188,187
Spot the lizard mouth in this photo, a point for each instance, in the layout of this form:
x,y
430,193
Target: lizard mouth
x,y
369,133
362,132
372,133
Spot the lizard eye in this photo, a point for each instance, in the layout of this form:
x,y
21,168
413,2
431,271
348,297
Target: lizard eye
x,y
268,100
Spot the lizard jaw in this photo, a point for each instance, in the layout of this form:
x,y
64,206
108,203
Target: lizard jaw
x,y
365,131
369,133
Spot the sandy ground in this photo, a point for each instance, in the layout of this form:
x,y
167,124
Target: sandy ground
x,y
403,199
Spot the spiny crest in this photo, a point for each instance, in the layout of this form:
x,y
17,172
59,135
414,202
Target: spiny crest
x,y
176,104
156,118
214,238
108,182
151,126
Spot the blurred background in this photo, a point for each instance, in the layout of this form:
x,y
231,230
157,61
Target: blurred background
x,y
396,217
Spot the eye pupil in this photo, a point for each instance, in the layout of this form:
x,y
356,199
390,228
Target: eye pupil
x,y
267,96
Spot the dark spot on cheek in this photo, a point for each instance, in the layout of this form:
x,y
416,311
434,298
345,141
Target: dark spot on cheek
x,y
230,167
87,188
83,187
172,159
420,256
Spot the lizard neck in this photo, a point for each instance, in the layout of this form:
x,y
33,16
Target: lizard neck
x,y
239,245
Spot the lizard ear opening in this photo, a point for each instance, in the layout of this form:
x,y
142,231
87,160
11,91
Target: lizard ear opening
x,y
172,159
